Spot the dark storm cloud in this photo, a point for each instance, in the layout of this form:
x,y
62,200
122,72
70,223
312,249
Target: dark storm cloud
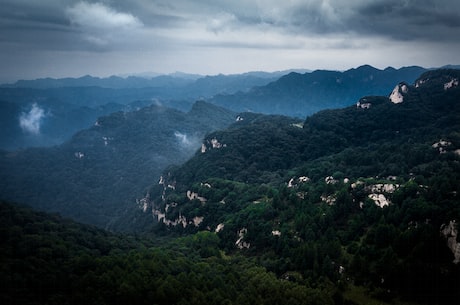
x,y
399,19
35,25
118,35
36,12
52,20
378,17
412,19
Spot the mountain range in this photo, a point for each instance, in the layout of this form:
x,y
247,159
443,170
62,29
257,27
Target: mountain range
x,y
373,138
48,112
367,194
355,205
299,95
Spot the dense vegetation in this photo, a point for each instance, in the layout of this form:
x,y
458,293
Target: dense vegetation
x,y
352,206
355,197
96,177
49,260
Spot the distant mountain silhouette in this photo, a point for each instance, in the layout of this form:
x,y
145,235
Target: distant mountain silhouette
x,y
72,104
303,94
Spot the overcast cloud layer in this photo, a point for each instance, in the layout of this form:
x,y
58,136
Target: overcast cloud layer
x,y
59,38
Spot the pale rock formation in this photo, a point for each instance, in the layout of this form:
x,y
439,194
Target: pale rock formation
x,y
356,184
213,144
396,95
330,200
450,232
240,243
383,188
330,180
298,125
143,203
441,145
192,195
216,144
379,199
453,83
161,217
362,105
420,82
304,179
294,181
197,220
220,227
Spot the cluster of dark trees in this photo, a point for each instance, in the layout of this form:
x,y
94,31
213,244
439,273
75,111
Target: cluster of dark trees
x,y
50,260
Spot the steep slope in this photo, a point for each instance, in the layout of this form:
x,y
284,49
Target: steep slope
x,y
303,94
97,175
366,195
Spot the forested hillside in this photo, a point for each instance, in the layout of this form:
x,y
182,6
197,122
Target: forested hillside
x,y
357,205
97,176
46,259
365,196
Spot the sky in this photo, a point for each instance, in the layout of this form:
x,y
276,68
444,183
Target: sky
x,y
72,38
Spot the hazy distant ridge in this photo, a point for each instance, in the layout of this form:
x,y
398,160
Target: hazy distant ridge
x,y
303,94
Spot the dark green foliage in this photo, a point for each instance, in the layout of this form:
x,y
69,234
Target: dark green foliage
x,y
252,148
48,260
327,229
272,211
97,176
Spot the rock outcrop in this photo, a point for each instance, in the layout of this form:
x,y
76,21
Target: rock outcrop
x,y
450,232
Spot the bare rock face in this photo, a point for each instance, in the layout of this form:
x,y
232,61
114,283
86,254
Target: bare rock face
x,y
397,95
450,232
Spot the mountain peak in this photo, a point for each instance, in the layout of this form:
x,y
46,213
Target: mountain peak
x,y
366,68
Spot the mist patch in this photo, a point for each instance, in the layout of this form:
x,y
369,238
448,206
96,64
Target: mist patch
x,y
30,121
183,139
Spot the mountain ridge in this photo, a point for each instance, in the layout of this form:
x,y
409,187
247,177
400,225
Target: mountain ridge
x,y
65,110
366,192
346,206
300,95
